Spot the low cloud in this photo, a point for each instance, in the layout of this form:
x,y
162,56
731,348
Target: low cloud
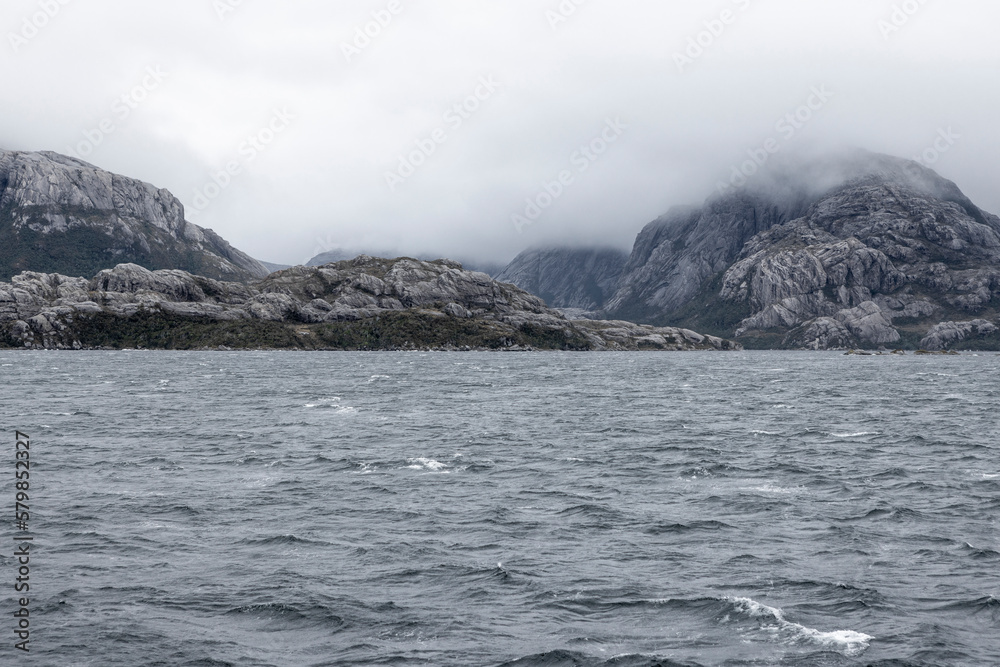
x,y
362,100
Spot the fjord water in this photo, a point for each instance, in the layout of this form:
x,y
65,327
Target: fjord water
x,y
275,508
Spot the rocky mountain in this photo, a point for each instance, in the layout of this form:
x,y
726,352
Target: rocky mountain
x,y
364,303
856,250
569,278
62,215
342,254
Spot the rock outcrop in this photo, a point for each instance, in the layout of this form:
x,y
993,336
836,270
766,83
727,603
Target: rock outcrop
x,y
364,303
857,250
62,215
871,252
948,334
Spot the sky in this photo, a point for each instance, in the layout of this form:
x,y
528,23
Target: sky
x,y
475,129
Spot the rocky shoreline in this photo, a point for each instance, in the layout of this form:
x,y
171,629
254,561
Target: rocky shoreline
x,y
366,303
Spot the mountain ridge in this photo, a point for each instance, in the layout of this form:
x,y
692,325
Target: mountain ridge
x,y
856,250
63,215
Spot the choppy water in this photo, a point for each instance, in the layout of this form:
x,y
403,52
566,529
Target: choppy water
x,y
523,509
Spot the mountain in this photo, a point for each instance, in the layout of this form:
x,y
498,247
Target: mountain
x,y
364,303
275,267
568,277
62,215
341,254
853,250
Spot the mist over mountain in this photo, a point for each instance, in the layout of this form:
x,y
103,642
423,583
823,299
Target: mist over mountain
x,y
343,254
577,278
841,249
848,249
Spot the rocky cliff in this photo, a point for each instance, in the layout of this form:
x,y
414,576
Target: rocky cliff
x,y
364,303
568,277
62,215
859,250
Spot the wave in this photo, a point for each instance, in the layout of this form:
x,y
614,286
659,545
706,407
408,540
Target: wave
x,y
984,553
280,539
563,658
284,615
848,642
671,528
988,604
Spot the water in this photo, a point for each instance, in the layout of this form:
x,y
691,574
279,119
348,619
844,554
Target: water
x,y
554,509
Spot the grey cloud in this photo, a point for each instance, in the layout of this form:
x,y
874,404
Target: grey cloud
x,y
322,182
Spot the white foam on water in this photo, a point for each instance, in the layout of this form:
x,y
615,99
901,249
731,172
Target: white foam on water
x,y
847,642
332,402
764,433
853,435
427,464
378,377
771,488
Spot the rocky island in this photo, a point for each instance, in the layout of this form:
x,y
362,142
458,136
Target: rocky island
x,y
363,304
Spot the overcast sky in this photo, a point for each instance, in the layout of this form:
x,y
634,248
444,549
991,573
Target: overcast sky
x,y
311,116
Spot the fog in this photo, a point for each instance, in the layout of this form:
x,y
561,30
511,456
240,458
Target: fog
x,y
477,128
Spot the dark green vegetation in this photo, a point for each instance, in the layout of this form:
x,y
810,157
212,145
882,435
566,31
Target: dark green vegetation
x,y
85,250
393,331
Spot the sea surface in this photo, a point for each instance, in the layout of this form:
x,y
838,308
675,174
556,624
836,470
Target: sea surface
x,y
557,509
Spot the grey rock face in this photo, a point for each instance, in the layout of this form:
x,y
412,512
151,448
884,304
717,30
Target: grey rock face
x,y
869,242
62,215
946,334
898,241
868,323
45,310
822,333
675,255
567,278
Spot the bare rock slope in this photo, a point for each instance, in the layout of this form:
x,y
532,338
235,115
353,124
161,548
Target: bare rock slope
x,y
577,278
62,215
